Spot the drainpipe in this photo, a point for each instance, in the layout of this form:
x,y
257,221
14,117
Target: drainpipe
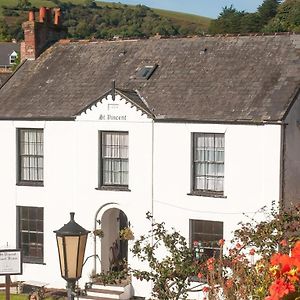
x,y
282,165
152,189
152,171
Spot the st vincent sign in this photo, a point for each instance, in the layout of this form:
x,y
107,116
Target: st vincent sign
x,y
10,262
109,117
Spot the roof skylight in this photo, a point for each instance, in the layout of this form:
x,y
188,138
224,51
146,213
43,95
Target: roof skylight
x,y
145,72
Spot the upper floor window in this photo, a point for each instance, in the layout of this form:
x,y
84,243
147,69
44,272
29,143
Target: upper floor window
x,y
205,237
30,229
31,156
114,159
13,58
208,163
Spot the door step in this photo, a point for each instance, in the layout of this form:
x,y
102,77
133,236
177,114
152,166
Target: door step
x,y
108,292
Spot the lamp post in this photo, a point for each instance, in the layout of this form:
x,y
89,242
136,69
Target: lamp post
x,y
71,242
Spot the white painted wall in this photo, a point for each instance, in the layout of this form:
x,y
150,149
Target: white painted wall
x,y
251,177
252,167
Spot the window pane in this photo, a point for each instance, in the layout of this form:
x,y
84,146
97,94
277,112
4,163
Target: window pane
x,y
208,162
31,233
207,234
31,154
114,158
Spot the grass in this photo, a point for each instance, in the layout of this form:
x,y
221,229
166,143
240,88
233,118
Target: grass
x,y
22,296
183,16
14,296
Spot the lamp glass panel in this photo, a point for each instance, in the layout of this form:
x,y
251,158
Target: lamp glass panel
x,y
82,243
61,255
72,244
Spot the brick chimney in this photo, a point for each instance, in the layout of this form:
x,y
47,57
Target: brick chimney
x,y
39,35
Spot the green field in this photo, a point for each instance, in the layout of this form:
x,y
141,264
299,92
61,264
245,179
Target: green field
x,y
183,16
175,16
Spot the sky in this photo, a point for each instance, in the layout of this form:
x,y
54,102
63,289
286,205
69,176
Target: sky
x,y
206,8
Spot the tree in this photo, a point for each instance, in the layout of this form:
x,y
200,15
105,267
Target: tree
x,y
250,22
237,274
4,34
239,271
24,4
170,274
229,21
90,3
286,19
267,10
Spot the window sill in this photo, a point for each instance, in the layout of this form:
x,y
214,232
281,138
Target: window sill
x,y
206,194
113,188
33,262
30,183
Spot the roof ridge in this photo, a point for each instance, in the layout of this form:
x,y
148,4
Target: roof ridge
x,y
135,39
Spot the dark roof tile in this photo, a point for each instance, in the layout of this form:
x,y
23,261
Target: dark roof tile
x,y
246,78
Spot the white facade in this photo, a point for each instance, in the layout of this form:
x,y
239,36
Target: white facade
x,y
160,157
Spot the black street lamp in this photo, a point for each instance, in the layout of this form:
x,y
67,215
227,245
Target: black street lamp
x,y
71,242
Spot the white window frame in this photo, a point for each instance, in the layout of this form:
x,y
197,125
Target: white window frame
x,y
208,163
114,160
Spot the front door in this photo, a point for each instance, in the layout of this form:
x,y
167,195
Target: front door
x,y
114,251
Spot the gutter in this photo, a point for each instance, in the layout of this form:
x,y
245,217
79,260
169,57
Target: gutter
x,y
37,119
234,122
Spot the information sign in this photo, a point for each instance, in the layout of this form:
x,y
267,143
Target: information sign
x,y
10,262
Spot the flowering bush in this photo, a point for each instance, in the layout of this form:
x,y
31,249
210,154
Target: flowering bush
x,y
285,272
126,234
242,271
99,232
249,267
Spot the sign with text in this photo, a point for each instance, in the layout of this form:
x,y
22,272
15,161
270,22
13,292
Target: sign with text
x,y
10,262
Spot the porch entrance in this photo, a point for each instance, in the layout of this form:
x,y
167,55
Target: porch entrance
x,y
114,251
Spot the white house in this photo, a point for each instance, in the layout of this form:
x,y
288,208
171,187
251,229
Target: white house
x,y
196,131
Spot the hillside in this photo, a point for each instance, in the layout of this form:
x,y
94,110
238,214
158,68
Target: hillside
x,y
89,19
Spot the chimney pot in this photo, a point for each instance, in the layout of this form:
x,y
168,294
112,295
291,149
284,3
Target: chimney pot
x,y
38,35
42,15
57,14
31,16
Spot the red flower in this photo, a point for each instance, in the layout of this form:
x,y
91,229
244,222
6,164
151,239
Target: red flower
x,y
280,288
296,251
205,289
238,246
199,275
221,242
210,263
283,243
252,251
229,283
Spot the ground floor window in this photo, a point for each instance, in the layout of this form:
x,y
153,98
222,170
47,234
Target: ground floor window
x,y
205,236
30,233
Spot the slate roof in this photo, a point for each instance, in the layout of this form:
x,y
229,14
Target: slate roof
x,y
209,79
6,49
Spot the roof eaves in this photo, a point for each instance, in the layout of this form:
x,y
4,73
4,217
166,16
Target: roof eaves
x,y
206,121
122,94
37,118
93,103
146,111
